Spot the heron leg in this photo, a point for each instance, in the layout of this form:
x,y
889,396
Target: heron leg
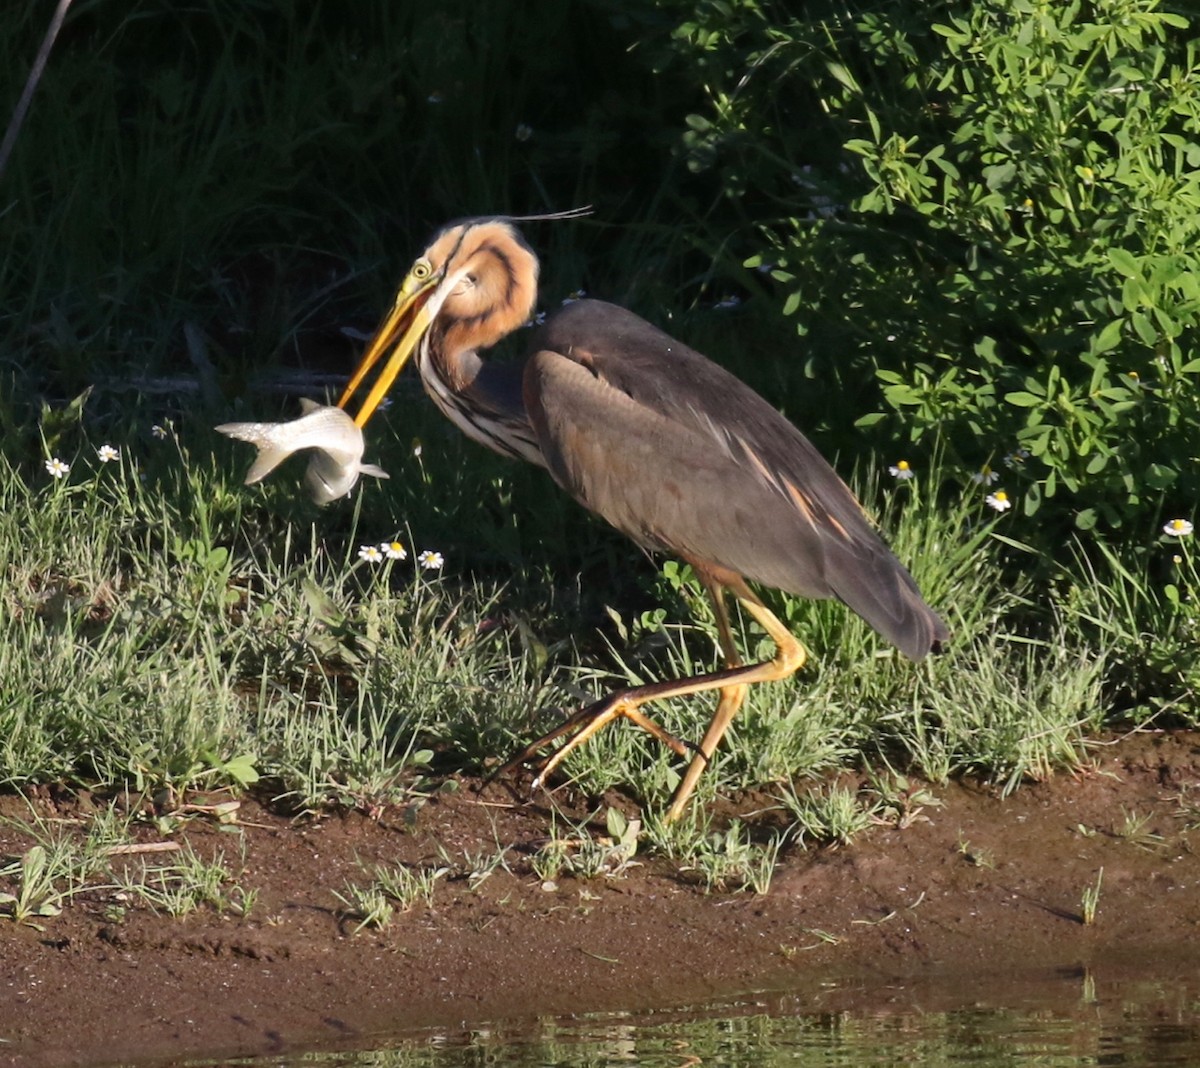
x,y
727,707
733,681
582,725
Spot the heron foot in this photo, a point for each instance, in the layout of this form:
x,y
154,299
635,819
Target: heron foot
x,y
585,723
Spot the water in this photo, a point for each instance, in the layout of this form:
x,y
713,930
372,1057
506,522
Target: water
x,y
1048,1021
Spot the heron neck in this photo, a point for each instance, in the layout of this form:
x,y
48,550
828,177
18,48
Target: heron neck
x,y
482,398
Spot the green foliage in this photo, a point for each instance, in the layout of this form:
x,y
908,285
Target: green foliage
x,y
257,175
1016,210
1145,607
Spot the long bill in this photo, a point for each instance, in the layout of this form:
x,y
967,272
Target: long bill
x,y
400,332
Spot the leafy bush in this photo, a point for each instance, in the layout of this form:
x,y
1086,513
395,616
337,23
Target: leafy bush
x,y
1008,237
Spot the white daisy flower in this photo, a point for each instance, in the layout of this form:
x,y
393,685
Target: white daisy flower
x,y
430,560
998,500
901,471
1178,528
985,477
57,468
394,550
107,454
371,553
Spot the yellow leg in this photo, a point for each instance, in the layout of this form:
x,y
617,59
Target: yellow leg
x,y
790,656
727,707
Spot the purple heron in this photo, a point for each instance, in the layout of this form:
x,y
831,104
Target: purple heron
x,y
670,448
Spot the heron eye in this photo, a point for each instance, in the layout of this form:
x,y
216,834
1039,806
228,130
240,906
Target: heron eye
x,y
421,270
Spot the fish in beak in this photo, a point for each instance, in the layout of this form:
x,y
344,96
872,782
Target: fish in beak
x,y
337,443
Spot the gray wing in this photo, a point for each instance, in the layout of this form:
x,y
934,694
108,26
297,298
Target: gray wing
x,y
684,457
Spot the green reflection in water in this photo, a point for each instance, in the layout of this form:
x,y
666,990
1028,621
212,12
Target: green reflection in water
x,y
1143,1023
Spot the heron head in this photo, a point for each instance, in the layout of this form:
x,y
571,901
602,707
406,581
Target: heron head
x,y
475,283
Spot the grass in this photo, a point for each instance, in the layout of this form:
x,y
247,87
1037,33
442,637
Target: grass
x,y
835,815
1090,900
169,629
391,887
583,855
63,860
185,883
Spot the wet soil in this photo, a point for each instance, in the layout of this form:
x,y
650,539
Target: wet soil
x,y
978,886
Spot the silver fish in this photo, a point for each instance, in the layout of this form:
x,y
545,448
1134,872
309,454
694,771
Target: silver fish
x,y
336,463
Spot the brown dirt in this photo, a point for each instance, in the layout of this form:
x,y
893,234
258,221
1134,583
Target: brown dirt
x,y
983,887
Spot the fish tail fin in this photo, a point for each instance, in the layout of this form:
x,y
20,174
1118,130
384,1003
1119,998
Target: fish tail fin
x,y
270,453
373,469
265,462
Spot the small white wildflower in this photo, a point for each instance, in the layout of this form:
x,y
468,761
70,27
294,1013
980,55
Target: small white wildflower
x,y
57,468
430,560
891,337
1016,457
1179,528
728,302
394,550
901,471
107,454
571,298
435,97
159,431
985,477
524,131
998,500
370,553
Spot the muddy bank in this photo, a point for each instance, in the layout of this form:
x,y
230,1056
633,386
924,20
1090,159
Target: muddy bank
x,y
988,890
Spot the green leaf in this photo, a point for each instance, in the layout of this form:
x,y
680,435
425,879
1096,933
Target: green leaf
x,y
999,176
870,420
843,76
1144,328
1108,338
1160,477
1124,262
1021,399
242,770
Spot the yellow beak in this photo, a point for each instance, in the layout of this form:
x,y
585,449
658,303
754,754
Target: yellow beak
x,y
407,321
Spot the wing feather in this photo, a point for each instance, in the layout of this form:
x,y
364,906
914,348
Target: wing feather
x,y
683,457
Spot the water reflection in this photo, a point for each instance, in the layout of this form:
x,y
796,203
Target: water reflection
x,y
1048,1022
